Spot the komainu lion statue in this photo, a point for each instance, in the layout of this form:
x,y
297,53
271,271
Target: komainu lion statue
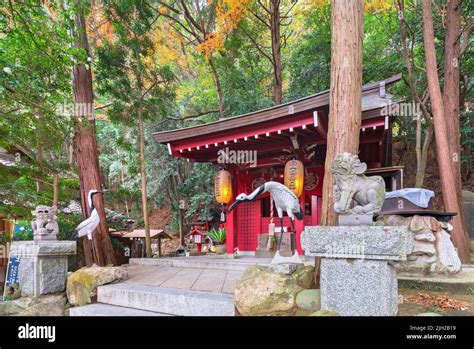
x,y
351,185
45,225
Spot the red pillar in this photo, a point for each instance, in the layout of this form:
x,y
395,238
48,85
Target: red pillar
x,y
231,220
299,226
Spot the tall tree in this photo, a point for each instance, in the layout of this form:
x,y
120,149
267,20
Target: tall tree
x,y
275,16
130,75
84,138
345,92
194,21
446,158
451,90
422,145
271,17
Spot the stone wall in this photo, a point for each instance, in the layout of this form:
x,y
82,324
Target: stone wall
x,y
433,252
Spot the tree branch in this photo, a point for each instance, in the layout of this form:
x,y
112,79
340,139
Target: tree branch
x,y
192,116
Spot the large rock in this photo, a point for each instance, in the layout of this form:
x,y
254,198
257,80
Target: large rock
x,y
420,223
426,236
309,300
304,276
46,306
263,292
14,307
423,248
50,305
396,220
82,284
447,254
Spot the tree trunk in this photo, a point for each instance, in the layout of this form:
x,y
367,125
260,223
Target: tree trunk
x,y
422,153
181,227
452,49
421,150
345,93
276,50
55,189
217,83
445,159
122,180
86,150
146,222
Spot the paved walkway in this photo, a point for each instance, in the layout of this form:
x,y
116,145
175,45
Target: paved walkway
x,y
211,280
212,273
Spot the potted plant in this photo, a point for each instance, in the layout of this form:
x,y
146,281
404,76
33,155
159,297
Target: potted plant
x,y
217,237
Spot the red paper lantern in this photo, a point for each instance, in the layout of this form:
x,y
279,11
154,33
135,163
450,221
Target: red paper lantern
x,y
223,186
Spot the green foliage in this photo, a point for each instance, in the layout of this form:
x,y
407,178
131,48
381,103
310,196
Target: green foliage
x,y
217,235
22,231
4,239
67,223
35,79
467,136
151,62
310,60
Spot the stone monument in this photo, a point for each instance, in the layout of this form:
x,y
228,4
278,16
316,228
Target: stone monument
x,y
357,275
44,261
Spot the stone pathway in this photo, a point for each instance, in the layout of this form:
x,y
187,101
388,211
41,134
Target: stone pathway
x,y
211,280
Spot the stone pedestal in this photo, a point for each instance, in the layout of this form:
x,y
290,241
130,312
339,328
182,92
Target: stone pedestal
x,y
43,265
357,276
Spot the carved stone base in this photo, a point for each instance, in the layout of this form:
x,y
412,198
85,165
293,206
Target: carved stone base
x,y
43,265
357,275
356,219
357,287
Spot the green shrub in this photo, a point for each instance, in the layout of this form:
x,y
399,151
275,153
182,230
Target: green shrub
x,y
217,235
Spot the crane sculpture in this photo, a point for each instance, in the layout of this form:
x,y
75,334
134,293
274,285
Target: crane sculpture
x,y
87,227
284,198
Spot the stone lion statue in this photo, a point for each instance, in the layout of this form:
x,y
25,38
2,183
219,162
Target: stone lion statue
x,y
45,225
351,186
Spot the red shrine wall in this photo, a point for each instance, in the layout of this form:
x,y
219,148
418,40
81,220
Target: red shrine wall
x,y
253,218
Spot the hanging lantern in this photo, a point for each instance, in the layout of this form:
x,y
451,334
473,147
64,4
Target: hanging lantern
x,y
294,176
223,186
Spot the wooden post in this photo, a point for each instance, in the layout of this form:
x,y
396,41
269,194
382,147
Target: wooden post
x,y
231,220
299,226
159,246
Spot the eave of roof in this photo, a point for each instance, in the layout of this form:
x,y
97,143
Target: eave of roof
x,y
317,100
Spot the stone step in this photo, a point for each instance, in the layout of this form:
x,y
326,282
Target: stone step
x,y
99,309
461,283
222,264
171,301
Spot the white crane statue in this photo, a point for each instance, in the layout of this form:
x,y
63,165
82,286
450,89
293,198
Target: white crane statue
x,y
285,200
87,227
